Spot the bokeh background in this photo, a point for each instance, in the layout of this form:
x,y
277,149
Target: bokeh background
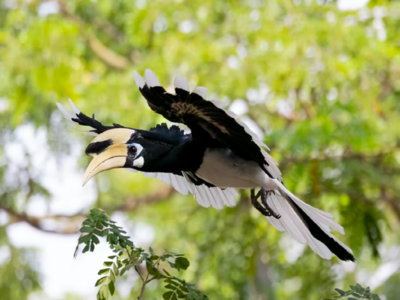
x,y
319,81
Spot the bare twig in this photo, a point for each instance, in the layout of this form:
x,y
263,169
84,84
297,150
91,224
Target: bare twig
x,y
143,287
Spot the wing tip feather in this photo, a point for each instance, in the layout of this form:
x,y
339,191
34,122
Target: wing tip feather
x,y
65,112
73,107
140,82
201,91
181,83
151,78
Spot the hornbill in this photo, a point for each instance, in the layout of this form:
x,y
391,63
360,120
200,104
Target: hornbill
x,y
218,156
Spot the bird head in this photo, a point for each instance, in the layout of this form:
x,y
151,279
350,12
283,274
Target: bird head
x,y
114,148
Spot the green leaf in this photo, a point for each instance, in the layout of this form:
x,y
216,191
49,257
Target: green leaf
x,y
104,223
357,295
111,276
112,239
111,287
171,287
180,294
151,251
89,223
101,281
171,281
107,263
182,263
95,239
100,232
119,263
86,249
172,265
95,212
84,238
112,256
342,293
86,229
152,270
358,288
115,269
103,233
103,293
170,296
103,271
122,271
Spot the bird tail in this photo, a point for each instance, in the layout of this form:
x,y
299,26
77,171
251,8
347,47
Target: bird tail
x,y
307,224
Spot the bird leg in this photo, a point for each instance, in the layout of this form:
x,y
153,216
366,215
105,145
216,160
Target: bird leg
x,y
263,208
256,204
264,197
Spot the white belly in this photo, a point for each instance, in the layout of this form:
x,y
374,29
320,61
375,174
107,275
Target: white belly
x,y
224,169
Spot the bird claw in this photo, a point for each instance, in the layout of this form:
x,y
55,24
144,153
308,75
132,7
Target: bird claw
x,y
263,208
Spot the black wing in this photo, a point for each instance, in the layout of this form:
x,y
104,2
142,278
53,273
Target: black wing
x,y
204,119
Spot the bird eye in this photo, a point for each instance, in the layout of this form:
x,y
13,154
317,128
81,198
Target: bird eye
x,y
132,150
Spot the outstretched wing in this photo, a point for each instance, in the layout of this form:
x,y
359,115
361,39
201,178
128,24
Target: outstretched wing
x,y
204,119
206,195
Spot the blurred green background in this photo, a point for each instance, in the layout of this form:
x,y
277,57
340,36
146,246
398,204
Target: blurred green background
x,y
320,78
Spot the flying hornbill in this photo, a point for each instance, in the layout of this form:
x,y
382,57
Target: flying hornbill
x,y
218,156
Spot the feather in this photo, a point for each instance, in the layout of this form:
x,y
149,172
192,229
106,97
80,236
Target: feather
x,y
307,224
201,91
139,80
65,112
215,198
204,195
224,197
181,83
189,183
201,197
178,185
73,107
151,78
183,183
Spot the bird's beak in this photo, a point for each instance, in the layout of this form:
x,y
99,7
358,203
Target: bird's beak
x,y
113,157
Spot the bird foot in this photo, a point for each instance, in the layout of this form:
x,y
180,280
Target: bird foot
x,y
263,208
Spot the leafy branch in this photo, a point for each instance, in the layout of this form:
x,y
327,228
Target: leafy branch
x,y
127,256
356,292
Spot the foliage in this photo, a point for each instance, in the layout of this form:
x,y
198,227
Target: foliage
x,y
127,256
356,292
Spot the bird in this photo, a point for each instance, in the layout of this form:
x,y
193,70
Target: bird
x,y
219,155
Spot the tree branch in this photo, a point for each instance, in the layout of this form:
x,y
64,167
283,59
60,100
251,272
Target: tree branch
x,y
71,223
105,54
108,56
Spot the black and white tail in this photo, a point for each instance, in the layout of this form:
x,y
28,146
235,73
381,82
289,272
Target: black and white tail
x,y
307,224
